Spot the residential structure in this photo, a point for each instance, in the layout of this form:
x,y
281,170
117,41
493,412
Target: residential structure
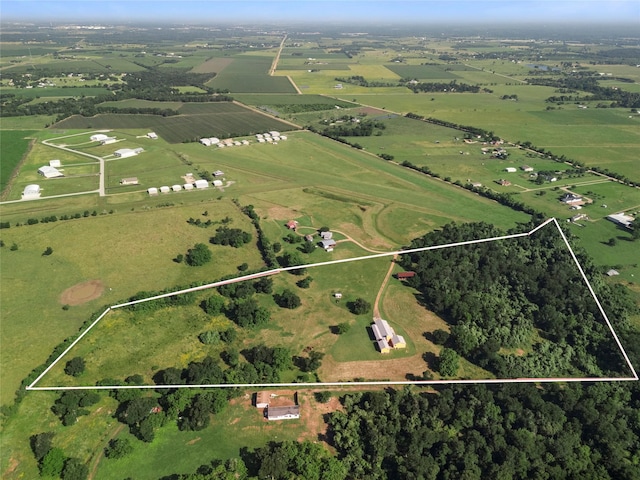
x,y
326,235
328,244
288,412
292,224
386,337
572,199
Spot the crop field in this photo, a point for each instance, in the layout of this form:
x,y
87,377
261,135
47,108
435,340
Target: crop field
x,y
213,65
176,129
56,91
61,67
14,144
249,73
425,72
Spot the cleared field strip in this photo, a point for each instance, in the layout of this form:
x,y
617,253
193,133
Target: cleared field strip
x,y
634,376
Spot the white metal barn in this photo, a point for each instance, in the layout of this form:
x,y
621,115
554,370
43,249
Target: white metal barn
x,y
98,137
164,189
31,191
50,172
201,184
152,191
176,188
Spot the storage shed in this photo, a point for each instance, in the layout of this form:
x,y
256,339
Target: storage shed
x,y
164,189
152,191
30,192
176,188
201,184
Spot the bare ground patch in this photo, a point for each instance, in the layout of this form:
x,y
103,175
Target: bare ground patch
x,y
213,65
82,293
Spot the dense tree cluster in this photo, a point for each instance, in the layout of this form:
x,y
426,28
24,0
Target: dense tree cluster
x,y
505,293
363,82
451,87
473,432
233,237
569,84
72,404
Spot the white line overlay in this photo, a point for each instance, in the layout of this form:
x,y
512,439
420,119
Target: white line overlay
x,y
634,377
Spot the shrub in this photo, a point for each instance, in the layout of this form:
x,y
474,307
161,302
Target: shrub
x,y
75,367
198,255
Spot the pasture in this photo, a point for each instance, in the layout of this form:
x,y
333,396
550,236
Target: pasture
x,y
105,247
249,74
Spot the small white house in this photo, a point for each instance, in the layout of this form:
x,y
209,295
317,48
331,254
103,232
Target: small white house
x,y
164,189
152,191
511,170
152,135
337,295
176,188
55,163
201,184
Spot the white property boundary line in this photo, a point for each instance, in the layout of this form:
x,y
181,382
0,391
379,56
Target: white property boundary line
x,y
350,384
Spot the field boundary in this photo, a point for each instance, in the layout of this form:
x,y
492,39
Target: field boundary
x,y
634,376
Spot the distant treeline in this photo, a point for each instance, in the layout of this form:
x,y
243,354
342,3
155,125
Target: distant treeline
x,y
587,83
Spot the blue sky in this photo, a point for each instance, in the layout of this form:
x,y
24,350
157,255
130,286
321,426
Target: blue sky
x,y
345,11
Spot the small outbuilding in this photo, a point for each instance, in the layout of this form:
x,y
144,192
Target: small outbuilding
x,y
152,135
510,170
405,275
621,219
164,189
55,163
30,192
201,184
108,140
218,173
176,188
188,186
98,137
128,152
217,183
263,399
129,181
152,191
50,172
326,235
526,168
292,224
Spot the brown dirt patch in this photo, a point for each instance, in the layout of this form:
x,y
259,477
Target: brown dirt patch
x,y
312,414
191,442
82,293
213,65
282,212
13,464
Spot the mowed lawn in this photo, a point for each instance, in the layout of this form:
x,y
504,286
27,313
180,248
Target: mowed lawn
x,y
127,252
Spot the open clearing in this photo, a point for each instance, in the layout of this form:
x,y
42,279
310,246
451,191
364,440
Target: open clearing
x,y
82,293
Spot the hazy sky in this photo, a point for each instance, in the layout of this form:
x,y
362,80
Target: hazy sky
x,y
344,11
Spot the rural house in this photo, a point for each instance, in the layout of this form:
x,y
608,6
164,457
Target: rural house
x,y
326,235
292,224
572,199
386,337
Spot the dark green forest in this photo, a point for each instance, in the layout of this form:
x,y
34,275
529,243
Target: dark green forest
x,y
520,293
